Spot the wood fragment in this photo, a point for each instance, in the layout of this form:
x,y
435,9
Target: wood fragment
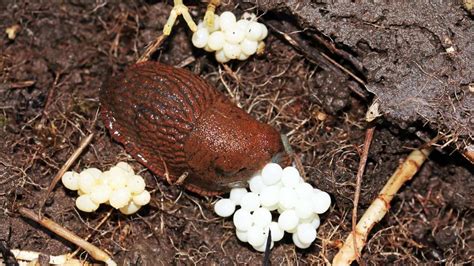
x,y
84,143
151,48
380,206
94,251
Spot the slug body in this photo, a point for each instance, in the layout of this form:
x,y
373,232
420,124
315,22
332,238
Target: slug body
x,y
176,124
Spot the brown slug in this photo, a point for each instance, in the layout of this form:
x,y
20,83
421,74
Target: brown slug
x,y
175,123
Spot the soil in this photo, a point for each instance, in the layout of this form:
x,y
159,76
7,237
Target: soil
x,y
52,69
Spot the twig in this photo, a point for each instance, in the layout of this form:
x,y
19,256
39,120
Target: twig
x,y
380,206
65,167
369,134
17,85
26,255
94,251
95,229
151,48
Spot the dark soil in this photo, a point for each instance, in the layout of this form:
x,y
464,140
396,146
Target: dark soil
x,y
51,72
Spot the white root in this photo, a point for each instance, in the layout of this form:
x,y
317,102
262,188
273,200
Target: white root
x,y
379,207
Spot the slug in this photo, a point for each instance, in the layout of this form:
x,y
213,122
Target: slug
x,y
177,125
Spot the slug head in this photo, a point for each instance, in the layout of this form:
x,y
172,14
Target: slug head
x,y
227,147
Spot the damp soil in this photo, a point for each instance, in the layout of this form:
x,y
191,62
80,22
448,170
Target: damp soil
x,y
51,72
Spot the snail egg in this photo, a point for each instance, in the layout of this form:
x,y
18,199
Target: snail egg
x,y
250,201
243,57
304,190
135,184
288,220
271,174
298,243
85,204
254,31
276,232
304,208
100,194
86,182
306,233
216,25
256,235
264,33
142,199
224,207
200,37
116,177
269,196
236,194
262,217
231,51
227,21
242,219
120,198
94,172
130,208
315,222
287,198
256,184
248,47
125,166
235,35
241,235
321,201
290,177
220,57
263,246
70,180
243,25
216,40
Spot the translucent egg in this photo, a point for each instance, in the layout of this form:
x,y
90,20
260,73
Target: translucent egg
x,y
263,246
256,184
250,201
288,220
248,47
242,219
254,31
321,201
287,198
70,180
231,51
200,37
236,194
276,231
264,33
243,25
216,40
234,36
269,196
135,184
241,235
243,57
304,208
290,177
271,174
224,207
86,182
220,57
94,172
306,233
227,21
120,198
142,199
216,25
298,243
256,235
100,194
125,166
130,208
85,204
304,190
116,177
262,217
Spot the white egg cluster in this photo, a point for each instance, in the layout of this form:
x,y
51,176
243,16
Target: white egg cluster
x,y
275,189
229,38
119,187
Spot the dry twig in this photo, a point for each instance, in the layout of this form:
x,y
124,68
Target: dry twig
x,y
379,207
94,251
65,167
